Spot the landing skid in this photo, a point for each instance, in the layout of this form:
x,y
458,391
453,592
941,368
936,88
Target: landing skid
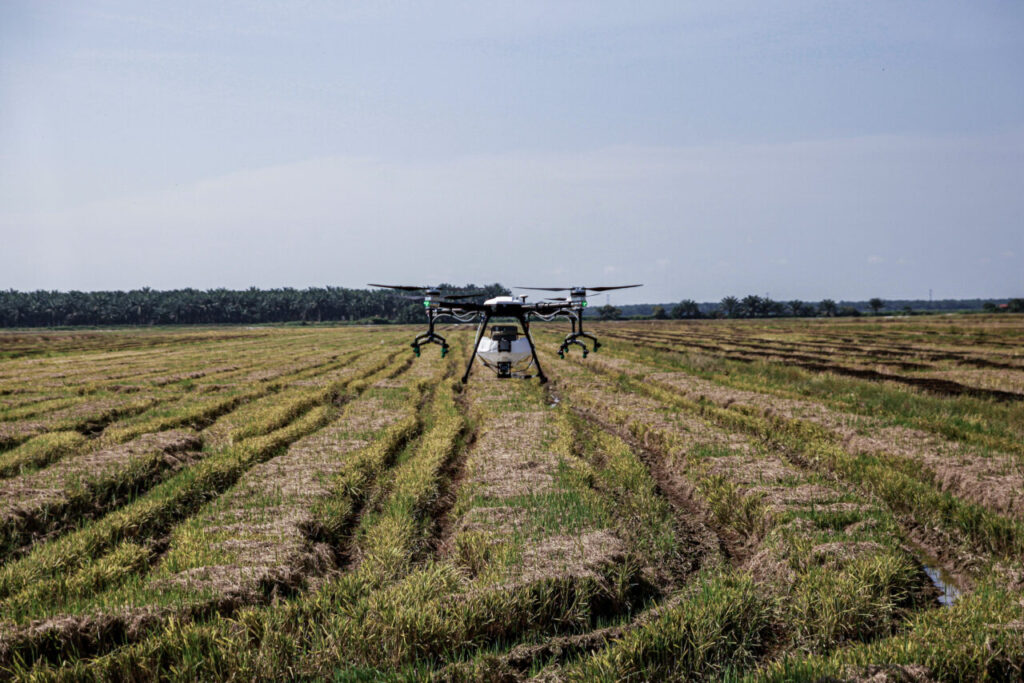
x,y
573,339
430,337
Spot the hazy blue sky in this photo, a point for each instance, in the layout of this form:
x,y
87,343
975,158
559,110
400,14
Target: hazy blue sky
x,y
800,149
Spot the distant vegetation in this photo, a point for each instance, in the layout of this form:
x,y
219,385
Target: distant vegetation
x,y
754,306
212,306
331,304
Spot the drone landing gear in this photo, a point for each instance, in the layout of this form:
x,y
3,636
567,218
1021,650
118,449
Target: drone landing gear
x,y
430,337
573,339
572,342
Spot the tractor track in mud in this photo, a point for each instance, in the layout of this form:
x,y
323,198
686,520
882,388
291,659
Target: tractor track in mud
x,y
696,525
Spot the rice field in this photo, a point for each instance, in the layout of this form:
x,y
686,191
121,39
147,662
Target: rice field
x,y
710,500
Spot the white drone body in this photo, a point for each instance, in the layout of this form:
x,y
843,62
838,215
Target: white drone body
x,y
505,352
518,357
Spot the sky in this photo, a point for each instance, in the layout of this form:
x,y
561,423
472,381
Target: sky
x,y
800,150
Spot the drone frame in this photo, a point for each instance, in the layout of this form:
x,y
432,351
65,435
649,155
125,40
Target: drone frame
x,y
505,307
524,323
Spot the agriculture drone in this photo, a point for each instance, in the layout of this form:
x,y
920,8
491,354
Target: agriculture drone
x,y
505,352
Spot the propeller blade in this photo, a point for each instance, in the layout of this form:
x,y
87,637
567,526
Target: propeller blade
x,y
589,289
411,298
606,289
404,288
462,296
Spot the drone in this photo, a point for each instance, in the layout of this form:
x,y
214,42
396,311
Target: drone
x,y
505,351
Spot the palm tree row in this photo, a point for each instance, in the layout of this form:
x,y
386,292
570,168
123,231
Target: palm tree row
x,y
214,306
754,306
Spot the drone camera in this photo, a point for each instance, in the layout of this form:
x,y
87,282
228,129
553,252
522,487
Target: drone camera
x,y
504,370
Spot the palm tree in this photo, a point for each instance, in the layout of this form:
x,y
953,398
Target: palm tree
x,y
687,308
731,306
752,306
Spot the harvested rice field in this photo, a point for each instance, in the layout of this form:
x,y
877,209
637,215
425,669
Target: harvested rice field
x,y
711,500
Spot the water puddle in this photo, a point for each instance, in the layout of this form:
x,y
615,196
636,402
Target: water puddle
x,y
940,578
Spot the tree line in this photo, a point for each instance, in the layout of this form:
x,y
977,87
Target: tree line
x,y
215,306
754,306
338,304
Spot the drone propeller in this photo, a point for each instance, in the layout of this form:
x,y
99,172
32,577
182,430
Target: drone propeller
x,y
443,298
404,288
589,289
455,297
606,289
428,290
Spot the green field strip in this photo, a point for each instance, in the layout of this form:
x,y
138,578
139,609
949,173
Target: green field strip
x,y
752,349
40,451
89,417
521,579
830,365
752,489
995,426
46,503
722,626
199,411
274,410
258,535
822,566
194,412
431,611
93,374
151,516
796,336
668,548
384,417
37,407
898,483
978,475
979,638
154,514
